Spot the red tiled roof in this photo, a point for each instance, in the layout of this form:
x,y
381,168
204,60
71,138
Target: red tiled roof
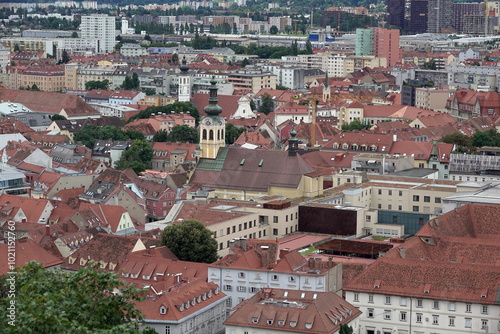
x,y
48,102
27,250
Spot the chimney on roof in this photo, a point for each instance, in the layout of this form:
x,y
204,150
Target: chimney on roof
x,y
402,252
47,230
330,262
284,252
311,263
317,263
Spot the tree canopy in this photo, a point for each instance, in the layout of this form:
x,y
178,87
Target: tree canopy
x,y
346,329
52,301
356,124
96,84
191,241
131,83
232,133
174,108
90,133
266,104
138,156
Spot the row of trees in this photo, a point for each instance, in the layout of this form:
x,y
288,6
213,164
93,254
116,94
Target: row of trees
x,y
273,52
466,144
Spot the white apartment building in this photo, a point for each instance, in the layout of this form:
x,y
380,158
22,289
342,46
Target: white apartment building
x,y
4,57
444,280
260,264
102,27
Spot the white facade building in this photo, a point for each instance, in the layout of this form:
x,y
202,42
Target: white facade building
x,y
102,27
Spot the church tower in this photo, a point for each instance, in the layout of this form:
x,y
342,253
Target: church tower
x,y
327,92
212,126
184,82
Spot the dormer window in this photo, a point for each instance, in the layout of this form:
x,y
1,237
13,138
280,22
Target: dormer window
x,y
281,322
269,321
255,320
163,310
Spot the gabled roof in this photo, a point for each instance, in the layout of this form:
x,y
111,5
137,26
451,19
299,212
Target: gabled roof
x,y
27,250
33,208
256,170
290,311
453,257
228,103
48,102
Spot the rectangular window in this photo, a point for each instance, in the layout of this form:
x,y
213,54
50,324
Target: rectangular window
x,y
390,192
451,306
484,309
291,279
368,218
400,207
419,318
380,191
468,322
387,314
451,321
241,274
274,277
437,200
402,316
275,219
370,313
241,288
416,198
356,297
275,231
403,301
420,303
400,193
435,319
415,208
234,229
435,305
388,300
427,199
167,329
254,289
227,287
389,207
239,228
370,299
468,308
484,324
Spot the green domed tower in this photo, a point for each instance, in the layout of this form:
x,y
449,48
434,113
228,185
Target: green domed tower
x,y
212,126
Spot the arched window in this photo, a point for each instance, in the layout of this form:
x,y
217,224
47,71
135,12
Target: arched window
x,y
211,135
204,136
218,134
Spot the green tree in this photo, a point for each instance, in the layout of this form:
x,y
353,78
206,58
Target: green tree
x,y
266,104
183,133
309,48
57,302
16,48
273,30
90,133
356,124
463,142
252,105
96,84
486,138
65,58
74,34
191,241
245,62
232,133
57,117
35,88
160,136
131,83
174,108
346,329
138,157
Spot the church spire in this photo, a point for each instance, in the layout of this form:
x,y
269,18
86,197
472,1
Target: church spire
x,y
213,109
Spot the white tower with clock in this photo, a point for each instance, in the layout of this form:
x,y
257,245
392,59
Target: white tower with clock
x,y
184,82
212,126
